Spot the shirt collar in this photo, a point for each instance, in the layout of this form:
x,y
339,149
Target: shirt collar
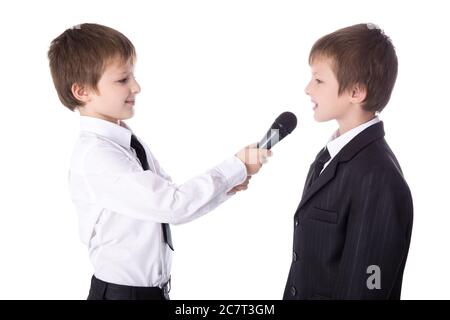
x,y
336,143
120,134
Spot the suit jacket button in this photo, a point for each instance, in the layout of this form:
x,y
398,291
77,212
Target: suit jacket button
x,y
293,291
294,256
296,222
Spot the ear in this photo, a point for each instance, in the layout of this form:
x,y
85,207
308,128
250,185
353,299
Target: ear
x,y
358,94
81,93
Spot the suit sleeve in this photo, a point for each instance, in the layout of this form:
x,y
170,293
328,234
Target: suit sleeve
x,y
377,237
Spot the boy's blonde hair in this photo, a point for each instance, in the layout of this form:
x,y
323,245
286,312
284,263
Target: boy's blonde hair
x,y
362,55
80,55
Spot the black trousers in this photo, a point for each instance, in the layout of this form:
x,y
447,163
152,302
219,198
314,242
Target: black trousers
x,y
101,290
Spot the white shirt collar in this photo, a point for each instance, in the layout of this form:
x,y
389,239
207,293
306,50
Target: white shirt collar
x,y
335,144
120,134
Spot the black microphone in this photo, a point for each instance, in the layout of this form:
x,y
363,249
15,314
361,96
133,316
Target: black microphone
x,y
282,126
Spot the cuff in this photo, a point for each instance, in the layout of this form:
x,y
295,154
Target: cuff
x,y
234,171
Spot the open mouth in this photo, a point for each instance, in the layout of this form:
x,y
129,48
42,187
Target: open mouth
x,y
131,102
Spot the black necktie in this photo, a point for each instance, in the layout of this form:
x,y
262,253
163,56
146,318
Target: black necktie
x,y
140,152
322,158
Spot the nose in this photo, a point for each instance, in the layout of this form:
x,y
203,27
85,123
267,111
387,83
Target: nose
x,y
307,91
136,88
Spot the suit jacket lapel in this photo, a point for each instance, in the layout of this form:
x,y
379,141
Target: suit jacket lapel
x,y
322,180
363,139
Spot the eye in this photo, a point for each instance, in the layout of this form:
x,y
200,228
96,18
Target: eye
x,y
319,81
123,80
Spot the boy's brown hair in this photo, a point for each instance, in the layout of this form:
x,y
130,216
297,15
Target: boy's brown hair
x,y
362,55
80,55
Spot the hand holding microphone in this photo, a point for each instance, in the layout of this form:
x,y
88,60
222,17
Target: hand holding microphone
x,y
253,158
255,155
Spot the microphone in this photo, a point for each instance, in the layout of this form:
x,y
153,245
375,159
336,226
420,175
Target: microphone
x,y
282,126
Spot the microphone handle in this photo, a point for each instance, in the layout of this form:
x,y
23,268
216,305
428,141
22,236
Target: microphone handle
x,y
268,141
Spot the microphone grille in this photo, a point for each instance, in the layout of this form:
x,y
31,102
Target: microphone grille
x,y
285,123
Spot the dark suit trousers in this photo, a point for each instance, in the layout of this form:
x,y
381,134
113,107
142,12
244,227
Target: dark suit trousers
x,y
101,290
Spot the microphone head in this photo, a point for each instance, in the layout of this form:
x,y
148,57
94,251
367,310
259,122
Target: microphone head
x,y
282,126
285,123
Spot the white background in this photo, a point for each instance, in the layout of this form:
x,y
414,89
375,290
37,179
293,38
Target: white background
x,y
214,75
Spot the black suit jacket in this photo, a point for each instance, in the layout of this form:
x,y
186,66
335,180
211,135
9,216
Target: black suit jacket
x,y
357,214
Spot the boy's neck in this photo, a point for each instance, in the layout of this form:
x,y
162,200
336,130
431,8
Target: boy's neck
x,y
84,112
349,123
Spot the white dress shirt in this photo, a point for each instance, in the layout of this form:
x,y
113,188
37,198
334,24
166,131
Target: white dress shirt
x,y
121,206
337,142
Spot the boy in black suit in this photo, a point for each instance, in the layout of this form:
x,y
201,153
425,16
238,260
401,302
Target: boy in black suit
x,y
352,228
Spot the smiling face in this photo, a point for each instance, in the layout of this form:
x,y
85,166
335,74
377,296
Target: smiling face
x,y
323,90
115,96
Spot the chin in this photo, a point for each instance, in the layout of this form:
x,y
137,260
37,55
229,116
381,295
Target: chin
x,y
323,115
320,118
127,116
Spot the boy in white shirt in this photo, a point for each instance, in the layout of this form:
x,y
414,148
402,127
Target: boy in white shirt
x,y
124,199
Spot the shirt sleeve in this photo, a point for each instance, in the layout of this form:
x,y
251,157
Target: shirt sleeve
x,y
213,204
119,184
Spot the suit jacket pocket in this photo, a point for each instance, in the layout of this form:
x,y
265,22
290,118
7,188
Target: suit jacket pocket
x,y
323,215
